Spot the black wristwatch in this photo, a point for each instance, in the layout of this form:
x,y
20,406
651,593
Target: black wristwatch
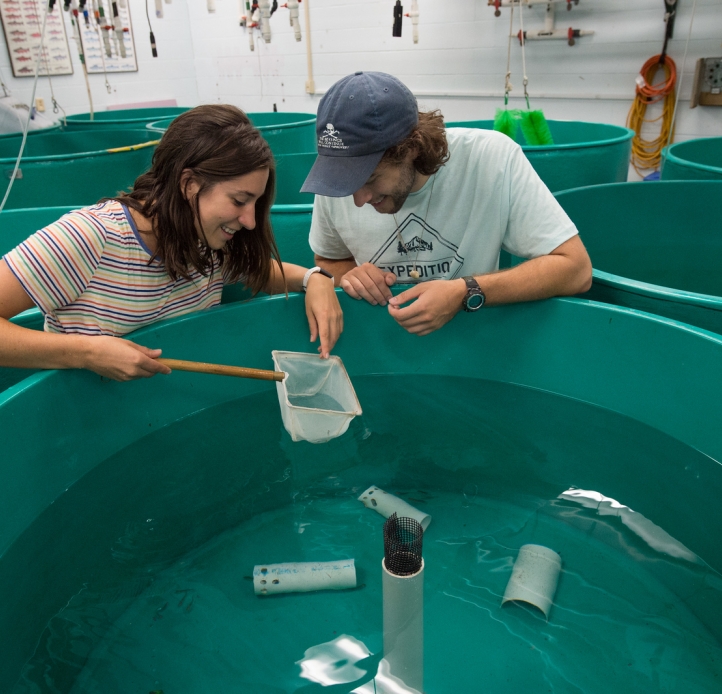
x,y
474,298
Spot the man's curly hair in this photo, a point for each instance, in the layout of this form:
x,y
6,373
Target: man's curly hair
x,y
429,139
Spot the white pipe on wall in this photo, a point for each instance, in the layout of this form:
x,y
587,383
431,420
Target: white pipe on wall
x,y
310,84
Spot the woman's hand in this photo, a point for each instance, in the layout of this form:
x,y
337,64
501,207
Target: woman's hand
x,y
325,318
121,360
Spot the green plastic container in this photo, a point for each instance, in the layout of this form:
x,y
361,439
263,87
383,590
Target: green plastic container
x,y
655,246
60,427
699,159
75,168
291,172
129,118
583,154
287,133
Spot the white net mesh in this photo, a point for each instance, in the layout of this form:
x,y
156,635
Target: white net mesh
x,y
317,399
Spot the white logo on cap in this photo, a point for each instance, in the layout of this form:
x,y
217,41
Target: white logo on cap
x,y
330,138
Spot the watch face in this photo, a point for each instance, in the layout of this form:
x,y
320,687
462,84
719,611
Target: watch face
x,y
474,302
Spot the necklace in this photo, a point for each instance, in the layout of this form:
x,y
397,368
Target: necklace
x,y
414,274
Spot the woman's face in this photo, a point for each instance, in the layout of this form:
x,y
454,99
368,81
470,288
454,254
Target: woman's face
x,y
229,207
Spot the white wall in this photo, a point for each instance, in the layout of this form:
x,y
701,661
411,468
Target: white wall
x,y
460,60
170,76
457,66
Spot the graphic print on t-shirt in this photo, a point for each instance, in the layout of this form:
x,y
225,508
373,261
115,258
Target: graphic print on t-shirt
x,y
422,246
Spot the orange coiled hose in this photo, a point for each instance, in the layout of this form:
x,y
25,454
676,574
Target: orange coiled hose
x,y
646,154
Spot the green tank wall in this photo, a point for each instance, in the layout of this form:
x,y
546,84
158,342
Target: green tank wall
x,y
121,118
583,154
699,159
74,168
64,424
655,246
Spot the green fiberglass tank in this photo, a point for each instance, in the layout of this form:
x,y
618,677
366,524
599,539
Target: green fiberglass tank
x,y
699,159
655,246
287,133
133,514
292,138
129,118
75,168
583,154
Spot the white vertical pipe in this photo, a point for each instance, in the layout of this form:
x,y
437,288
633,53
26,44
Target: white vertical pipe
x,y
159,9
265,7
310,84
403,598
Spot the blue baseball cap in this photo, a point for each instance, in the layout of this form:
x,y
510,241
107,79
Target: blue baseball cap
x,y
358,119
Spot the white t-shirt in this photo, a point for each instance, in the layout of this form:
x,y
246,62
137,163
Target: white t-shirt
x,y
486,197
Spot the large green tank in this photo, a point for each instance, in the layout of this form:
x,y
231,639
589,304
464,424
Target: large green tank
x,y
128,118
655,246
699,159
286,132
75,168
292,137
583,154
133,513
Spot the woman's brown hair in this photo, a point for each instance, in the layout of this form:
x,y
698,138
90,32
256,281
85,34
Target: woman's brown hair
x,y
215,142
428,138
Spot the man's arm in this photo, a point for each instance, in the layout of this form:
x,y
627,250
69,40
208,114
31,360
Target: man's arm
x,y
338,268
565,271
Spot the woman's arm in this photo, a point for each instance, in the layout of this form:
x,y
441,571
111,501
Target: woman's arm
x,y
21,347
325,318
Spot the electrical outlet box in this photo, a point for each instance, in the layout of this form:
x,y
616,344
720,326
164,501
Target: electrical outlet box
x,y
40,104
707,87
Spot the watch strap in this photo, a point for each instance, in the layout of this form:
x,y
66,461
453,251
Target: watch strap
x,y
313,271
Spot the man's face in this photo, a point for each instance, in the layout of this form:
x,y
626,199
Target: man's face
x,y
388,186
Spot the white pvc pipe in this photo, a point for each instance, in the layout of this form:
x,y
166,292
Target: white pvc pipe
x,y
310,84
386,504
159,9
403,598
211,5
542,34
302,577
265,7
293,16
534,577
414,14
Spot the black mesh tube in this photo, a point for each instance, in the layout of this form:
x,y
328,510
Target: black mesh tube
x,y
403,539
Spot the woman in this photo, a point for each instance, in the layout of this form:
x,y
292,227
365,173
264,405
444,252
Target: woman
x,y
199,219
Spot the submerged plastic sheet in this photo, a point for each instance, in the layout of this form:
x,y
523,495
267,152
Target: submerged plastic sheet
x,y
317,399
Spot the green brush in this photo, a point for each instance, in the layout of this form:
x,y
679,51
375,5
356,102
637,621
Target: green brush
x,y
535,128
507,122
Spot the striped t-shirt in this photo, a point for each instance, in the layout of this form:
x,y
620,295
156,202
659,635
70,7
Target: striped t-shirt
x,y
89,273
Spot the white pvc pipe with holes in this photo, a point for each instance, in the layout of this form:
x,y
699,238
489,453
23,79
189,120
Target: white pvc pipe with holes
x,y
302,577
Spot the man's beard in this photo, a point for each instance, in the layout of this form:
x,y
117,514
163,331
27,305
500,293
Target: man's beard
x,y
402,190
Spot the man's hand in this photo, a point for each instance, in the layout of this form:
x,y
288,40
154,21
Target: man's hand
x,y
368,282
437,302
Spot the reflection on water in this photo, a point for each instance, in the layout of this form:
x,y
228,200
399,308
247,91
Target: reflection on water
x,y
152,586
657,538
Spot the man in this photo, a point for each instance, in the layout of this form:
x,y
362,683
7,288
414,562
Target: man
x,y
449,200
